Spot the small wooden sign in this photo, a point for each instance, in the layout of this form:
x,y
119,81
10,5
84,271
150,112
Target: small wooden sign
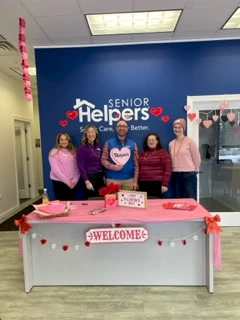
x,y
110,235
132,199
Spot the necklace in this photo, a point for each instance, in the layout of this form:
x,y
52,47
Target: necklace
x,y
174,151
96,153
151,153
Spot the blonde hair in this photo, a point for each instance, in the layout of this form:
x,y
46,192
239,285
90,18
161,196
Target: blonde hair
x,y
70,146
84,138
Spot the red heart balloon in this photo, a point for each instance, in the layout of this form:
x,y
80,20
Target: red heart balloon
x,y
43,241
65,247
72,114
63,123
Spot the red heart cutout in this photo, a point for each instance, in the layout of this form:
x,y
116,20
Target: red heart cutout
x,y
72,114
191,116
110,201
63,123
116,115
156,111
160,242
65,247
165,118
184,242
43,241
118,225
87,243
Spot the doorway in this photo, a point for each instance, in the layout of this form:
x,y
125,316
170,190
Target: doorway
x,y
216,130
22,147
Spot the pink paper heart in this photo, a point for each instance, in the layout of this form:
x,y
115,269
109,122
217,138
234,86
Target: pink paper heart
x,y
231,116
207,123
192,116
199,120
120,156
215,117
187,107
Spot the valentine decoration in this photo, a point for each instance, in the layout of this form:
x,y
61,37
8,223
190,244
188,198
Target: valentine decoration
x,y
25,61
23,225
52,209
120,156
212,224
109,192
179,206
133,199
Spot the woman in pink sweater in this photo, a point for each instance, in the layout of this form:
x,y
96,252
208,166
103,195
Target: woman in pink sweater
x,y
185,162
64,171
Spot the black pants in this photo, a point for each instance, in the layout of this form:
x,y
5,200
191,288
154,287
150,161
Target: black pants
x,y
63,192
97,181
153,188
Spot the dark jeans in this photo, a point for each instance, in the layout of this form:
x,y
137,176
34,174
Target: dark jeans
x,y
153,188
184,184
63,192
97,181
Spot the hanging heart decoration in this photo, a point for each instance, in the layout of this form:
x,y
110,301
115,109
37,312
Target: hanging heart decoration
x,y
215,117
199,120
207,123
192,116
187,108
231,116
65,247
43,241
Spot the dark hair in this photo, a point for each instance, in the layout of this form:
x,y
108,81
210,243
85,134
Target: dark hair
x,y
145,145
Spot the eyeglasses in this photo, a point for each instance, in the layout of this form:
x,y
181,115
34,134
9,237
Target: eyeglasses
x,y
119,126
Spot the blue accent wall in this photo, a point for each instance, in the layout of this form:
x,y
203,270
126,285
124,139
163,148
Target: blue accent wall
x,y
154,75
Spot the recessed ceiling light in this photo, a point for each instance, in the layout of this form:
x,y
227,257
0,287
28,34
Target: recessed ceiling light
x,y
234,21
133,22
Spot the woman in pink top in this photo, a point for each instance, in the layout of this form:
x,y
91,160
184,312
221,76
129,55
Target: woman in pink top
x,y
185,162
64,171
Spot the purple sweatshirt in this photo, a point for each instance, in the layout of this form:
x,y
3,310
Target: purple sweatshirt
x,y
63,166
88,160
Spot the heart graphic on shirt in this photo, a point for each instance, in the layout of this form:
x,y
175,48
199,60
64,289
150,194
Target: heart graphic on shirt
x,y
120,156
63,123
72,114
156,111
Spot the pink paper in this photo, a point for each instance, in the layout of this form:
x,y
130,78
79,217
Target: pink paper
x,y
217,257
51,208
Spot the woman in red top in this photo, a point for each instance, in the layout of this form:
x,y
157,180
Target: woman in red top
x,y
155,167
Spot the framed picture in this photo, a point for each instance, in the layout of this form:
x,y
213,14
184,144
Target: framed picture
x,y
132,199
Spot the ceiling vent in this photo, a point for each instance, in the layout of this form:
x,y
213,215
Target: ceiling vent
x,y
6,47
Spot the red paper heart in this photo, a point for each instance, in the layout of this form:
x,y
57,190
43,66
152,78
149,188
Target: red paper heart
x,y
118,225
156,111
65,247
72,114
43,241
160,242
87,243
116,115
165,118
191,116
63,123
184,242
110,201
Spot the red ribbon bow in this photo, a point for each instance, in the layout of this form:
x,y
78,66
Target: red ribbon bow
x,y
212,224
23,225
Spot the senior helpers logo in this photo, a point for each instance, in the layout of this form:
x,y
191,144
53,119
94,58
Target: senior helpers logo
x,y
120,156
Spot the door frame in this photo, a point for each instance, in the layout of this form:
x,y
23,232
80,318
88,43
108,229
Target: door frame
x,y
33,192
208,102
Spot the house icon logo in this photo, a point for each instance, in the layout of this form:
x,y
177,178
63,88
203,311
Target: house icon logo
x,y
80,105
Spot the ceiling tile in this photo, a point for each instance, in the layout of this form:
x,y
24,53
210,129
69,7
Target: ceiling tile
x,y
203,19
211,3
51,7
9,28
193,34
64,26
96,6
71,41
112,39
152,37
13,8
227,34
142,5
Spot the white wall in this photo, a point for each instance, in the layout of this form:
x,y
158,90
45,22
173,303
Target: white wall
x,y
12,104
38,151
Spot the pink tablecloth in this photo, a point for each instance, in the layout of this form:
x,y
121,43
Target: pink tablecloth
x,y
153,213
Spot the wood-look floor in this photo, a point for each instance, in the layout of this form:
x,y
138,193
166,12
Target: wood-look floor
x,y
120,303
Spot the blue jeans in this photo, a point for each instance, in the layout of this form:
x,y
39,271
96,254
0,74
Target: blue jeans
x,y
184,184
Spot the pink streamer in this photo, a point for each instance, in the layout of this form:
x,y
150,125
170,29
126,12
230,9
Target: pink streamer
x,y
217,257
